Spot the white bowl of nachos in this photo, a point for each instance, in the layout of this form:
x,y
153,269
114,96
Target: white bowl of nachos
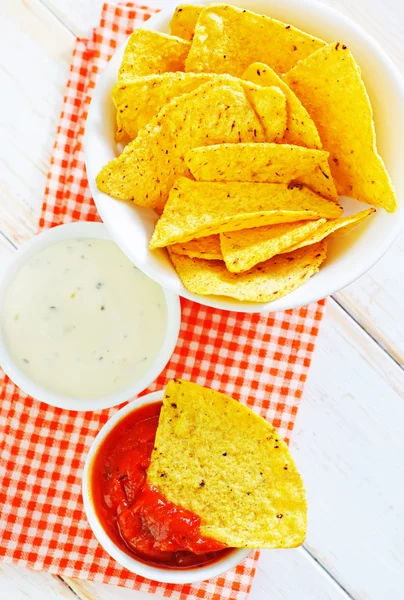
x,y
348,254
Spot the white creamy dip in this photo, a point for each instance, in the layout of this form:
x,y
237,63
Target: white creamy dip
x,y
82,321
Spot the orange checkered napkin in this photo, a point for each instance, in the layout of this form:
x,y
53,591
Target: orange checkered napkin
x,y
261,359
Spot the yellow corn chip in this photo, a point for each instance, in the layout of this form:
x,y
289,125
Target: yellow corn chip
x,y
329,85
244,249
264,283
207,248
320,181
149,52
184,20
329,227
269,104
228,39
261,163
139,100
148,166
197,209
300,129
229,466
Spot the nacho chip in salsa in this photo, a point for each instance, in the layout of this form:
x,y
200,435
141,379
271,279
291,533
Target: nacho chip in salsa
x,y
220,460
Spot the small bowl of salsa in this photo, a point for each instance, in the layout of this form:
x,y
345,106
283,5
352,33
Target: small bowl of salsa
x,y
131,519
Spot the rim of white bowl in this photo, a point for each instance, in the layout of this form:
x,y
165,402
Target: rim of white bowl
x,y
80,229
181,576
290,301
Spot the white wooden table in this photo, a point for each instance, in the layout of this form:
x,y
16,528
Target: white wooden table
x,y
348,440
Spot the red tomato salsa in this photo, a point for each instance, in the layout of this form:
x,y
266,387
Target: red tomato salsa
x,y
135,515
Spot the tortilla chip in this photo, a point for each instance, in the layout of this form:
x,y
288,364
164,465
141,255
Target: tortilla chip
x,y
149,165
217,458
266,282
269,104
300,129
184,20
320,181
198,209
244,249
207,248
329,227
261,163
329,85
228,39
141,99
149,52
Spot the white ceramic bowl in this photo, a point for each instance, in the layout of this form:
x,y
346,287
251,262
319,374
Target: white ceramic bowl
x,y
136,566
349,256
28,385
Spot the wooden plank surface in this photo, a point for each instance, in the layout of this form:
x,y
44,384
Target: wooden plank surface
x,y
347,439
349,445
17,583
32,80
281,575
80,15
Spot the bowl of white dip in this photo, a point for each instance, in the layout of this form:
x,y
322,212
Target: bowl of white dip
x,y
81,327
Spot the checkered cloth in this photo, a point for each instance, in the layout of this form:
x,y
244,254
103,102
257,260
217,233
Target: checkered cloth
x,y
260,359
